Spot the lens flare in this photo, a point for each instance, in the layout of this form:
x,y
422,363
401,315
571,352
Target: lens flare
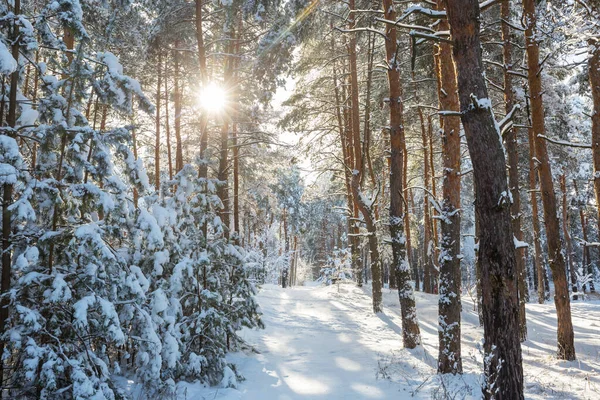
x,y
212,98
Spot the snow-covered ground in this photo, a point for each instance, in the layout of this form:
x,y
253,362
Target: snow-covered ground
x,y
321,343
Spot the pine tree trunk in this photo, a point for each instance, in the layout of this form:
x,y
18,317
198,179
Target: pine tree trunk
x,y
535,219
401,267
567,235
586,263
594,76
435,245
566,346
347,165
177,106
167,127
427,230
7,194
358,170
449,358
223,174
510,141
503,360
157,122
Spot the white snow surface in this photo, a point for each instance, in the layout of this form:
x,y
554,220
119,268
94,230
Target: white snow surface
x,y
326,343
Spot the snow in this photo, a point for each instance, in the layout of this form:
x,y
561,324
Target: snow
x,y
323,344
8,64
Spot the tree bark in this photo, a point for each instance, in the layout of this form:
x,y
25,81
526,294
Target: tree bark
x,y
566,346
365,209
510,141
535,219
7,194
427,229
177,105
449,358
567,235
503,361
401,267
167,127
586,262
157,122
594,77
347,165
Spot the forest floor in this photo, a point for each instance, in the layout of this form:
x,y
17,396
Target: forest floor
x,y
326,343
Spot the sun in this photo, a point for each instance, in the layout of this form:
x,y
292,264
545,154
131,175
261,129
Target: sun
x,y
212,98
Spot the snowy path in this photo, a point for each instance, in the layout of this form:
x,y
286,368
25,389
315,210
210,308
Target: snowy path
x,y
319,346
323,344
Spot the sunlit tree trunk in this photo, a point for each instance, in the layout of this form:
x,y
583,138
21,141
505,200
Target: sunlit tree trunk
x,y
500,304
594,77
401,267
566,346
365,209
347,165
510,141
449,358
535,219
427,229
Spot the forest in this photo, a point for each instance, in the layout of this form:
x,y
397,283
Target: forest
x,y
300,199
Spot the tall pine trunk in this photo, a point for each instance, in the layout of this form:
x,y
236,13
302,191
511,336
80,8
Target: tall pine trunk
x,y
7,194
449,358
365,209
510,141
157,122
594,77
566,346
401,266
500,304
535,219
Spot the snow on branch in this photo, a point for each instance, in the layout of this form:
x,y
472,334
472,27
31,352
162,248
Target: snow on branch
x,y
406,26
361,30
423,11
427,36
507,122
566,143
520,244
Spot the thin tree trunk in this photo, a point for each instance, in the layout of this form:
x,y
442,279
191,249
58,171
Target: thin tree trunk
x,y
167,127
535,219
427,229
435,253
449,358
565,336
510,141
502,361
223,174
157,128
567,235
358,170
401,268
157,133
594,77
586,260
234,133
347,165
177,105
7,194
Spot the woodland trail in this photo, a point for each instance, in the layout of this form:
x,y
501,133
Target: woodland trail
x,y
326,343
318,345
